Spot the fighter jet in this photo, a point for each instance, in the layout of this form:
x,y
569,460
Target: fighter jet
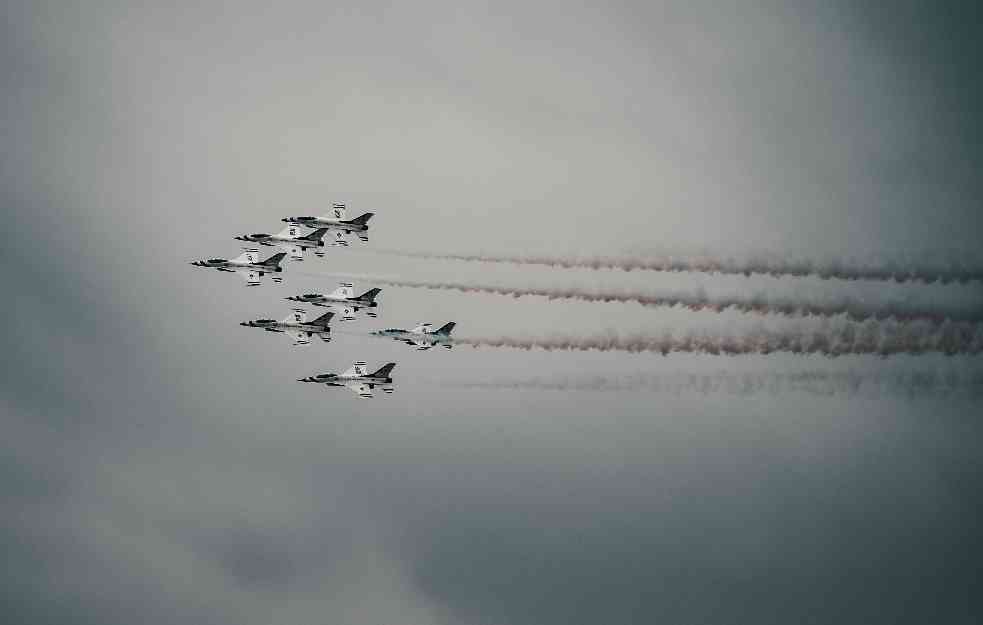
x,y
248,265
291,241
337,221
296,326
342,299
356,379
422,336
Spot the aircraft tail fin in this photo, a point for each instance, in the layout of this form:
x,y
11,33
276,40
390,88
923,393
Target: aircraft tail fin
x,y
317,235
370,295
275,260
323,320
385,370
361,220
446,329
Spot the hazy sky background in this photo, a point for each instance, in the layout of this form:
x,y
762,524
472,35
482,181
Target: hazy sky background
x,y
160,464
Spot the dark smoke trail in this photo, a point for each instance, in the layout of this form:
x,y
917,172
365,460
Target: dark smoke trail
x,y
852,308
912,384
951,272
882,339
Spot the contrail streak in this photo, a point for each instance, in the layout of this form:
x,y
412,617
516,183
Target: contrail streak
x,y
913,384
882,339
852,308
952,272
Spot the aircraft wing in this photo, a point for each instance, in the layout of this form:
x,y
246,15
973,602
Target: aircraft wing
x,y
339,239
299,336
294,251
291,231
345,311
363,389
251,276
357,368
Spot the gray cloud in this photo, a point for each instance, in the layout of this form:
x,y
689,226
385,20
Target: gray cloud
x,y
159,465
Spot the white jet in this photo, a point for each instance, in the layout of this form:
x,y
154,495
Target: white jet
x,y
337,221
423,336
291,241
343,300
357,379
296,326
248,265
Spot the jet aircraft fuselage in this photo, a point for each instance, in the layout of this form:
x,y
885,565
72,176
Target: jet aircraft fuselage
x,y
343,299
422,336
358,379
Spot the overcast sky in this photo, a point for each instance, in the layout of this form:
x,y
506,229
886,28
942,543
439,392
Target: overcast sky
x,y
160,464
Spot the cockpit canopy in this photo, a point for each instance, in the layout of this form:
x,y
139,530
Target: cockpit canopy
x,y
216,260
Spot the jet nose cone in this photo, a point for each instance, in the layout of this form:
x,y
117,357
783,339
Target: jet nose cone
x,y
244,323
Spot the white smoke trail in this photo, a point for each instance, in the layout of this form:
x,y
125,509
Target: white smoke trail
x,y
912,384
852,308
882,339
775,267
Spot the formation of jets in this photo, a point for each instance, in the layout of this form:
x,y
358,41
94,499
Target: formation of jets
x,y
309,233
